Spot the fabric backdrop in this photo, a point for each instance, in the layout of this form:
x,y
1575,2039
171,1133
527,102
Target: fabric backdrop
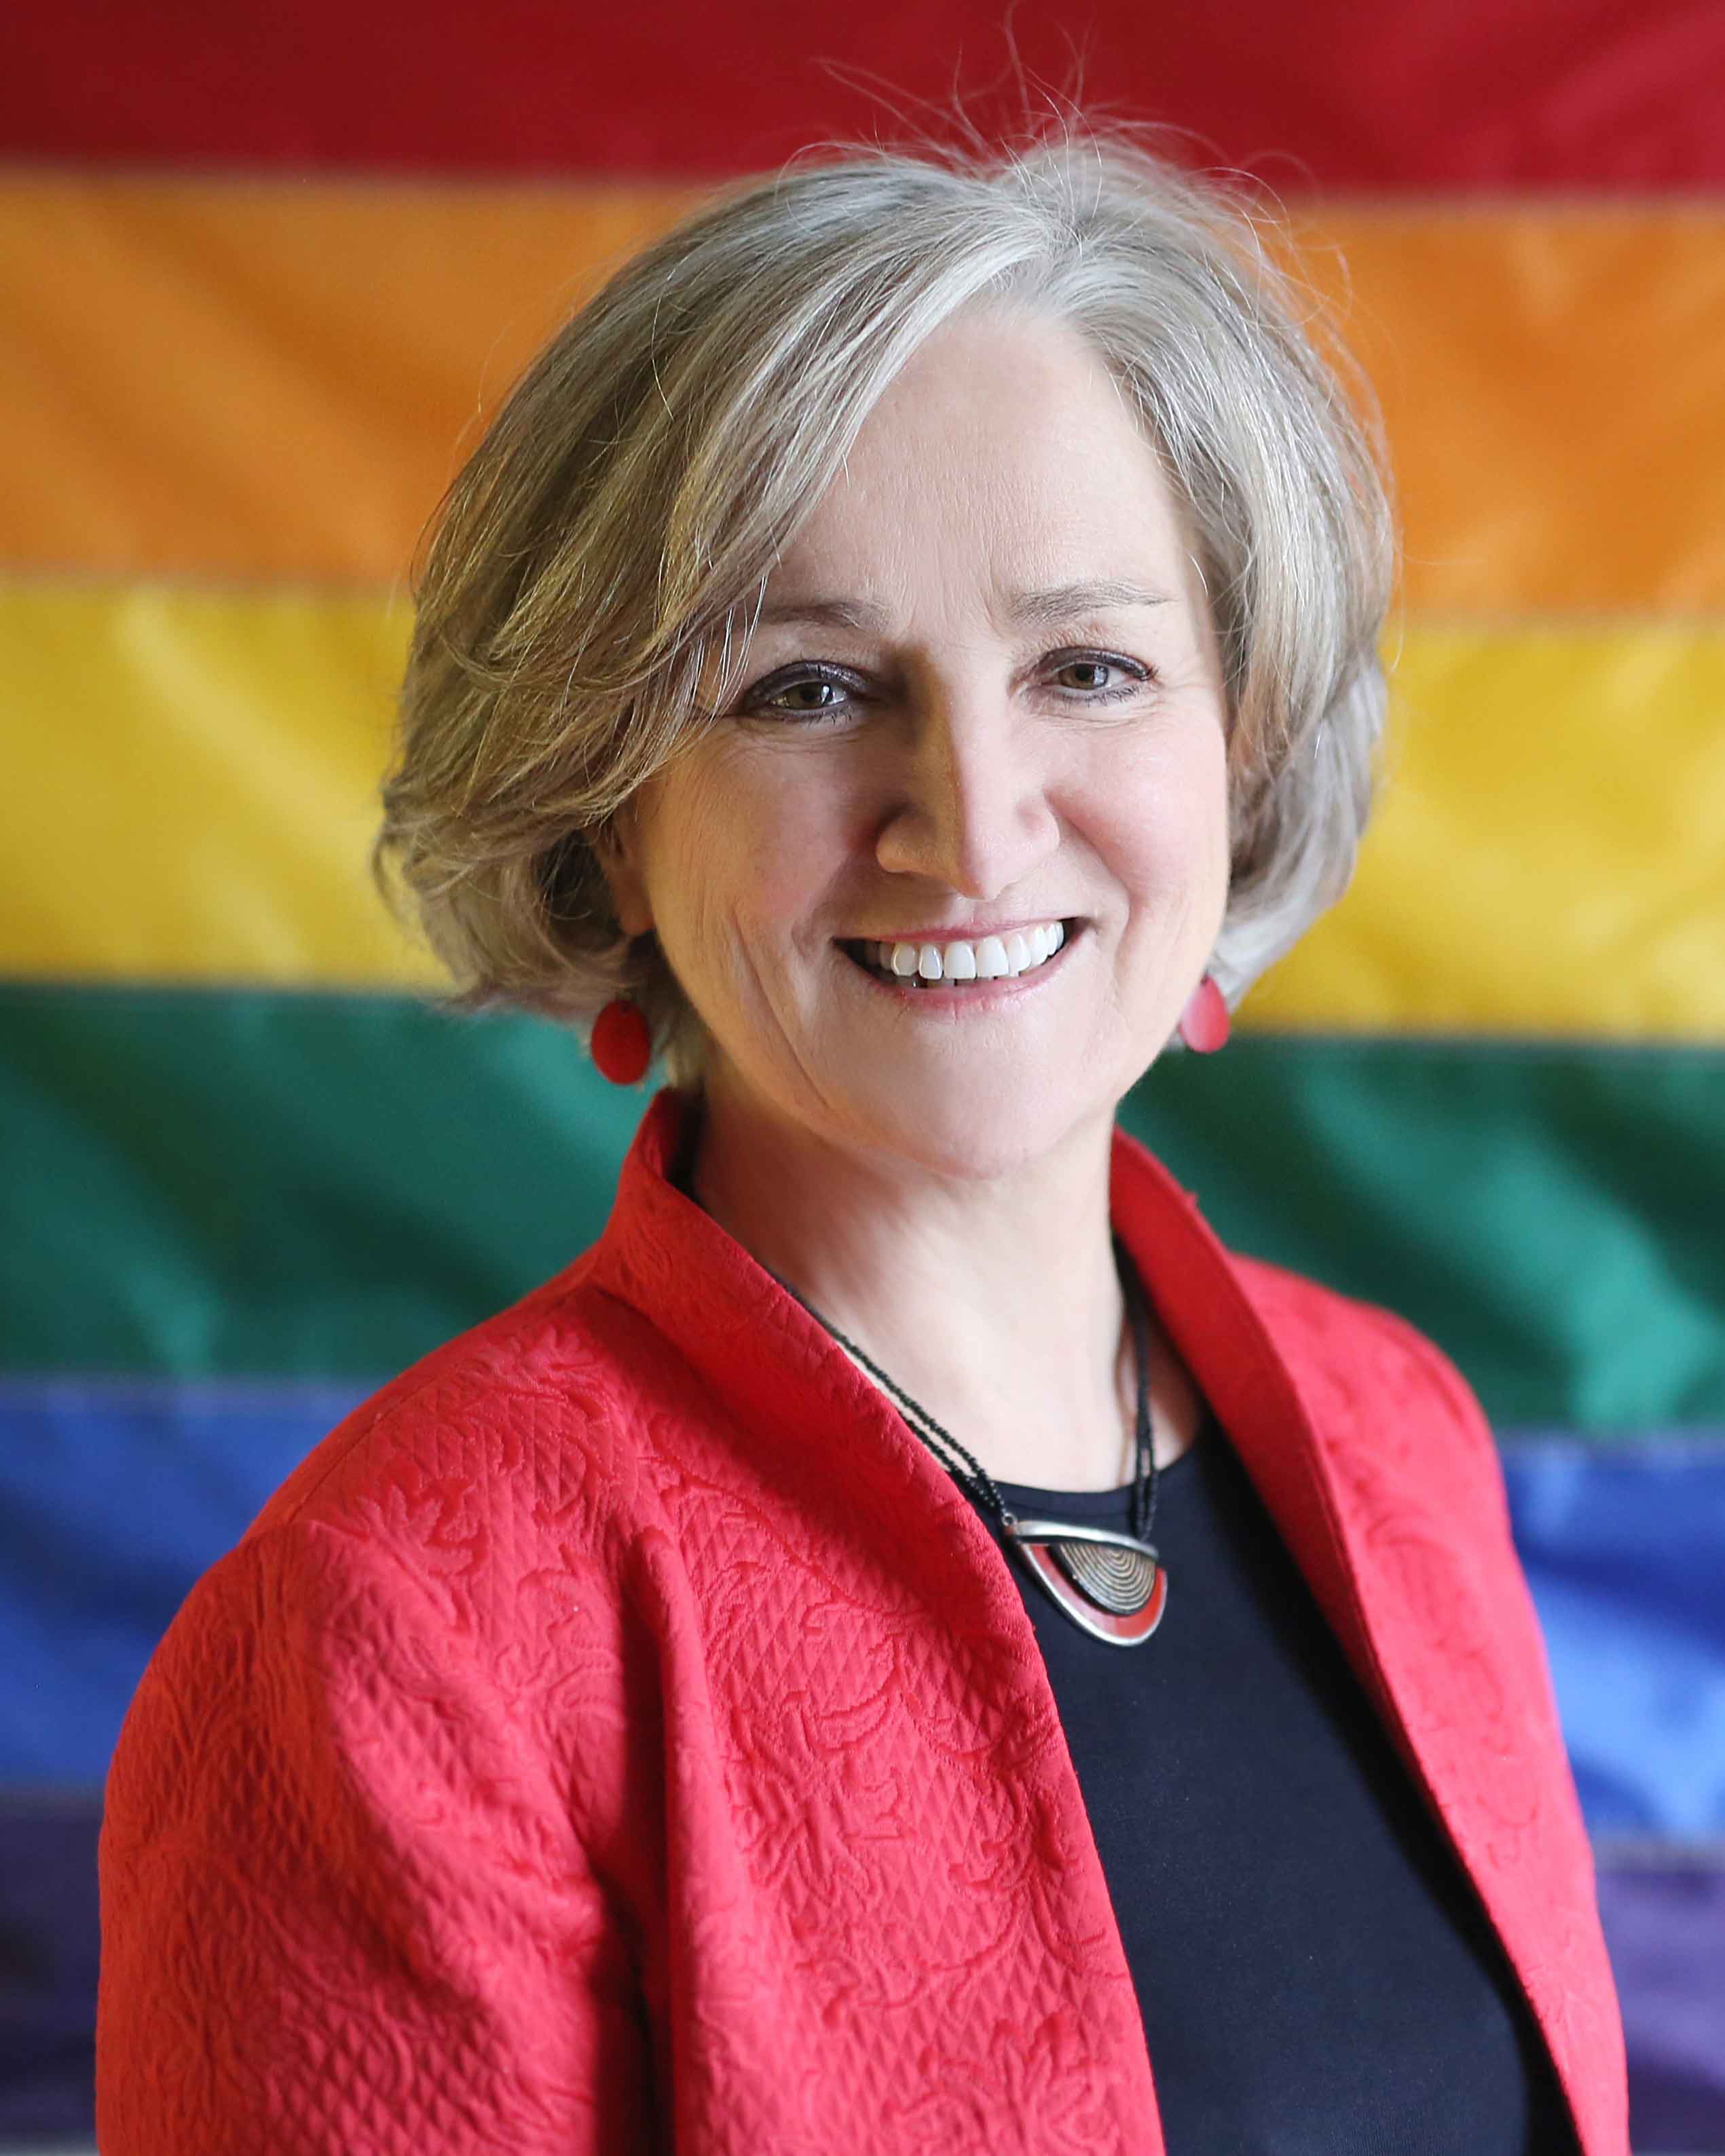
x,y
263,278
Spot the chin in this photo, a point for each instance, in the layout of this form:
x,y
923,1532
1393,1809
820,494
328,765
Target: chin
x,y
972,1132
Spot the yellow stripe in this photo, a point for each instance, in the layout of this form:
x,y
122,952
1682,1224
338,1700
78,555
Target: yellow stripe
x,y
191,786
262,380
1549,855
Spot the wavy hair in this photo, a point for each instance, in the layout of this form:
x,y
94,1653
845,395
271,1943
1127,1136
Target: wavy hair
x,y
592,576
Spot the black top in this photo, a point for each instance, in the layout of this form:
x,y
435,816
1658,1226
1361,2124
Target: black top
x,y
1314,1969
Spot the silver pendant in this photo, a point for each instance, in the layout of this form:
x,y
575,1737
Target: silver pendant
x,y
1109,1585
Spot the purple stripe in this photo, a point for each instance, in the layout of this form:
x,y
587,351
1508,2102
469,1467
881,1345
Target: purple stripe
x,y
1664,1913
1664,1924
48,1964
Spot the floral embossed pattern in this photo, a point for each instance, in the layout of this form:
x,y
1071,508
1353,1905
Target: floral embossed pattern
x,y
620,1735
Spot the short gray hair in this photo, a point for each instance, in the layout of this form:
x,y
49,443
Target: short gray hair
x,y
596,567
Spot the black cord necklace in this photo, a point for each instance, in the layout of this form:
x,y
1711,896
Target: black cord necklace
x,y
1109,1585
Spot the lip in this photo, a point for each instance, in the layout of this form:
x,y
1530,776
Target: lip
x,y
970,996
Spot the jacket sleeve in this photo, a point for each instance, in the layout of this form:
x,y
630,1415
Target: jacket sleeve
x,y
344,1905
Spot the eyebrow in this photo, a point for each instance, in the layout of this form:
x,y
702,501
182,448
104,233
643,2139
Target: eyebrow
x,y
1040,608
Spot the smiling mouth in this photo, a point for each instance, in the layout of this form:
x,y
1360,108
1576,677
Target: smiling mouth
x,y
961,967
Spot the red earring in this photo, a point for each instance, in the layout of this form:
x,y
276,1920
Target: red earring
x,y
1203,1024
621,1045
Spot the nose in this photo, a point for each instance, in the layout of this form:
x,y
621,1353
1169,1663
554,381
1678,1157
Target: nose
x,y
968,787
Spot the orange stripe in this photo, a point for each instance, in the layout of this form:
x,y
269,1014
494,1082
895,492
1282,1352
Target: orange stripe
x,y
272,380
1550,383
255,380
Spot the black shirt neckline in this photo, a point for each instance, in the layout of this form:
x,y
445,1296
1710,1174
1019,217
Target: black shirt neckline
x,y
1098,1504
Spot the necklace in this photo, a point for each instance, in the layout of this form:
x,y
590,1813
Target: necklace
x,y
1109,1585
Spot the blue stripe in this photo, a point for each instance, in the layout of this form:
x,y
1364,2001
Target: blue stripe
x,y
1625,1551
115,1496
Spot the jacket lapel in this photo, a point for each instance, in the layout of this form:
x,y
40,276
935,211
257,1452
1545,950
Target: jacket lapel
x,y
1371,1473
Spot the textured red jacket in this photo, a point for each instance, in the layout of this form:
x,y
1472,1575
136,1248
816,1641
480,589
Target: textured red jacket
x,y
621,1735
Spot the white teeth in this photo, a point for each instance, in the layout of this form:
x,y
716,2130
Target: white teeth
x,y
993,958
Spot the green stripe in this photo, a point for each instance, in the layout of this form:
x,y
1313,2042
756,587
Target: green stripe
x,y
206,1183
1548,1212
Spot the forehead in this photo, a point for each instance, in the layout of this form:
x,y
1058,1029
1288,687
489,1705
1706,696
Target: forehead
x,y
1003,455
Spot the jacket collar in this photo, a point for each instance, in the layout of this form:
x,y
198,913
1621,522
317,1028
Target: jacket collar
x,y
771,1361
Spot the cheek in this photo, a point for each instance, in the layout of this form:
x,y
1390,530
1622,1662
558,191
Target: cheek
x,y
738,847
1165,820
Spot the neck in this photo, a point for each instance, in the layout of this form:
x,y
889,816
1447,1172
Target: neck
x,y
995,1303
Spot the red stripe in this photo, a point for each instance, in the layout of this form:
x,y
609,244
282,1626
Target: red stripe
x,y
1450,93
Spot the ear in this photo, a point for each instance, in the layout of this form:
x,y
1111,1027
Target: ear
x,y
619,850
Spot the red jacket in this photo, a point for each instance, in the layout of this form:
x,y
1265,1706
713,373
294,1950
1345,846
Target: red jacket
x,y
621,1735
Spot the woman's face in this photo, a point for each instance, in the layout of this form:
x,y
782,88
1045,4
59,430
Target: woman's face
x,y
983,695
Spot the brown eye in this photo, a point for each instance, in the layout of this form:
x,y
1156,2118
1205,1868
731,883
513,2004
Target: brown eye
x,y
1111,678
824,690
789,696
1092,666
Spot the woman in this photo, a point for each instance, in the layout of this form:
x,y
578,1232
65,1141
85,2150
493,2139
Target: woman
x,y
906,651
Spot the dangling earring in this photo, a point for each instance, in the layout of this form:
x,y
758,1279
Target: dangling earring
x,y
620,1043
1204,1023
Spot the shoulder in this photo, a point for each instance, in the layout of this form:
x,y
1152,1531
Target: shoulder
x,y
465,1542
523,1450
1318,1326
1364,1368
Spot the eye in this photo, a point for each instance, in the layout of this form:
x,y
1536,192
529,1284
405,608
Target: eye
x,y
1103,663
778,695
813,695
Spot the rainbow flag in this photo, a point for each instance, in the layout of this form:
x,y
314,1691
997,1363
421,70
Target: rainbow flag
x,y
266,271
